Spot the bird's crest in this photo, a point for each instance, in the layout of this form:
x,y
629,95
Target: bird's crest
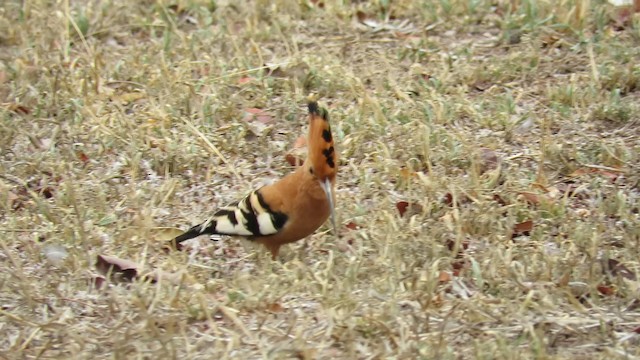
x,y
322,155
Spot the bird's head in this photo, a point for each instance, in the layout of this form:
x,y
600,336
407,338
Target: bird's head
x,y
322,157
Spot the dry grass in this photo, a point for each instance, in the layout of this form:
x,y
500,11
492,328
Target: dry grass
x,y
123,119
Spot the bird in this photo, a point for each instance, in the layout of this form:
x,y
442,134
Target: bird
x,y
290,209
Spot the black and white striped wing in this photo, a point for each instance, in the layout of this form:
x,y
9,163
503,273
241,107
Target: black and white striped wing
x,y
250,217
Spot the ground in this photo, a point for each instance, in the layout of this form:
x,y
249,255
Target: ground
x,y
488,195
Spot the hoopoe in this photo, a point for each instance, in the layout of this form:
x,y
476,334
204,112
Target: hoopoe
x,y
289,209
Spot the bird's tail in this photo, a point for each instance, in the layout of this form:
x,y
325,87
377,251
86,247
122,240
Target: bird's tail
x,y
193,232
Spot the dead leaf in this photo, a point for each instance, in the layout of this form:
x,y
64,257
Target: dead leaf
x,y
17,108
353,226
444,277
581,171
368,21
258,120
523,228
293,160
275,308
259,115
464,245
622,15
482,85
47,192
461,199
118,268
245,80
410,209
97,281
362,17
82,156
295,157
606,290
402,207
459,265
406,174
610,173
538,185
37,186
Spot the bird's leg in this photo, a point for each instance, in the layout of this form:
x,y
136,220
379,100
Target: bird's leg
x,y
274,249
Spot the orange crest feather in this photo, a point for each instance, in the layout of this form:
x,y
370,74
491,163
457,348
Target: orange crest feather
x,y
322,156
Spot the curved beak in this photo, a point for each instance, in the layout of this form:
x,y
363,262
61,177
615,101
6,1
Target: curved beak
x,y
326,186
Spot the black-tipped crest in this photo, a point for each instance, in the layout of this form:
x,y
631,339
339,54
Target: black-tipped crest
x,y
322,158
322,154
314,109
